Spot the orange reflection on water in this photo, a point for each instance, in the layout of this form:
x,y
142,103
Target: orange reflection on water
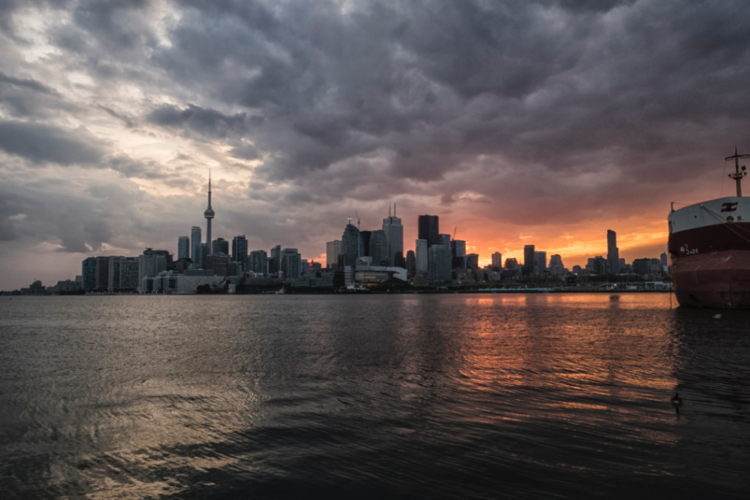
x,y
567,355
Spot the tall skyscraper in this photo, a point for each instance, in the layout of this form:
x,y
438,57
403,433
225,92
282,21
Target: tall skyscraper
x,y
394,234
458,248
333,249
411,263
204,253
259,261
123,274
540,262
422,258
150,264
439,264
88,274
445,239
195,245
528,259
556,265
365,236
183,247
102,274
209,213
291,263
220,245
429,229
379,248
351,243
497,260
613,253
239,249
274,266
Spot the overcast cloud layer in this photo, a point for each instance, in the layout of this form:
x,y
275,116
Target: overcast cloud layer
x,y
544,122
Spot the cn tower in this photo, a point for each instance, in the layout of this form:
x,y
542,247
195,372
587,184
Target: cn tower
x,y
209,214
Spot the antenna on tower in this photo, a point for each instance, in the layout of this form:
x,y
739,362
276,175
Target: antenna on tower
x,y
389,211
394,210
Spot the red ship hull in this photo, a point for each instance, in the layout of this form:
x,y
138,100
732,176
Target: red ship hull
x,y
711,266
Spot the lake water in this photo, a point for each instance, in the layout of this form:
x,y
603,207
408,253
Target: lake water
x,y
380,396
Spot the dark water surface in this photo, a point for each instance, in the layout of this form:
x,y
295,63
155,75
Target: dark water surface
x,y
408,396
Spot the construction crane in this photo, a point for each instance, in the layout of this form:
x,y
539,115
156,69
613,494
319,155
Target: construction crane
x,y
454,233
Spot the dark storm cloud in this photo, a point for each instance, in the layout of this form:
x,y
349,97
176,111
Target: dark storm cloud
x,y
43,143
540,82
206,122
25,82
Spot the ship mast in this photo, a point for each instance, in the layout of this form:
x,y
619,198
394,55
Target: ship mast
x,y
738,175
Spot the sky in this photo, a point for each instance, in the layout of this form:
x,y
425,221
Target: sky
x,y
537,122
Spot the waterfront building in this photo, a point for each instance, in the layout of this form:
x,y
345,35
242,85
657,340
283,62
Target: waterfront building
x,y
167,282
259,262
102,274
195,244
428,229
663,259
239,249
439,263
422,257
88,274
122,274
613,253
150,264
497,260
333,249
394,235
67,286
528,259
219,263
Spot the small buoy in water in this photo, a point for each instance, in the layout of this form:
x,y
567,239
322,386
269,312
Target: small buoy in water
x,y
717,316
676,402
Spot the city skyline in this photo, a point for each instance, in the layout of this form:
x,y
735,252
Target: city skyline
x,y
535,122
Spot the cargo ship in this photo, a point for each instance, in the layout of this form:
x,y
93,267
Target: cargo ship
x,y
709,249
